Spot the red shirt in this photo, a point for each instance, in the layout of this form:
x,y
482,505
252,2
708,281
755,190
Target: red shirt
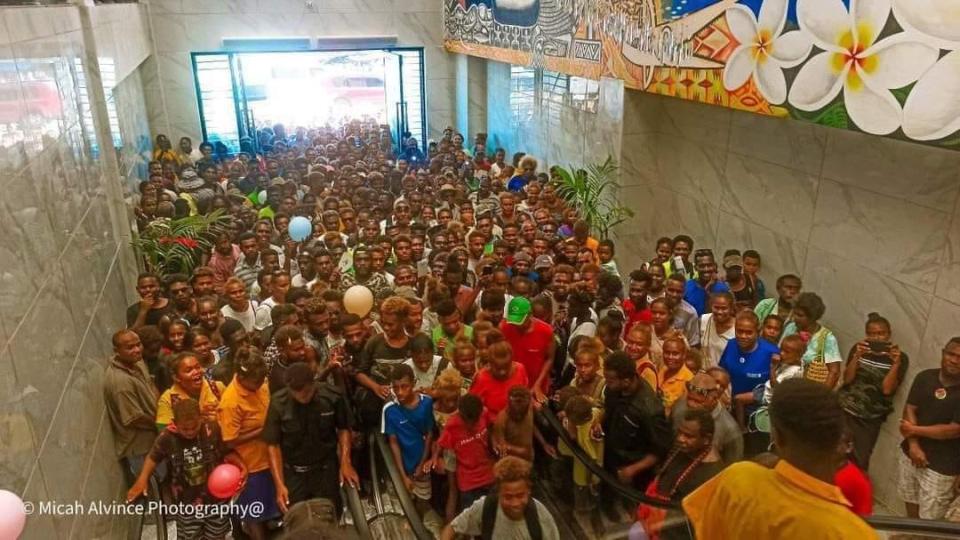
x,y
530,348
474,462
856,488
635,315
493,393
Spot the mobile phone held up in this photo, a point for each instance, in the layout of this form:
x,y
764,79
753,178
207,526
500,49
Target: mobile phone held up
x,y
879,346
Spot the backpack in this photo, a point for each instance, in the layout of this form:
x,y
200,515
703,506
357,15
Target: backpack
x,y
489,518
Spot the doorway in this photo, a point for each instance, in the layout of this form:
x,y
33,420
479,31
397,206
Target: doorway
x,y
241,92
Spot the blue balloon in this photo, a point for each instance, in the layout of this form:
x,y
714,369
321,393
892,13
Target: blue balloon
x,y
299,229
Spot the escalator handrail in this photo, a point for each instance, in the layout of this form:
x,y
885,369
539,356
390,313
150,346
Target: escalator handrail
x,y
406,502
883,523
596,469
352,499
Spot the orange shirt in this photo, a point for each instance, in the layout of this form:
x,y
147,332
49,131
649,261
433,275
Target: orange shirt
x,y
242,411
673,387
748,500
209,396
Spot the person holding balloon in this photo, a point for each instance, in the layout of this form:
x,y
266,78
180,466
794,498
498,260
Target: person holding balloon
x,y
193,450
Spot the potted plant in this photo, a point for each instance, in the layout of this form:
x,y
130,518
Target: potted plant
x,y
588,190
170,246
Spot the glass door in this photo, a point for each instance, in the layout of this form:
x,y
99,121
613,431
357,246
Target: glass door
x,y
393,95
246,128
215,96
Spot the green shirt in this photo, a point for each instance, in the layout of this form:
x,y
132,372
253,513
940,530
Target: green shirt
x,y
443,344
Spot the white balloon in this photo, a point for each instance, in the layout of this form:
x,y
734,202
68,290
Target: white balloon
x,y
358,300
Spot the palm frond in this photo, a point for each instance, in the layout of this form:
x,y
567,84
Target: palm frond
x,y
589,191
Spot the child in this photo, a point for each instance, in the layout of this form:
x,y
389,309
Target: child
x,y
751,270
723,382
408,425
424,363
852,481
772,328
446,398
193,447
694,360
786,365
606,252
513,427
483,337
465,436
465,362
588,380
580,414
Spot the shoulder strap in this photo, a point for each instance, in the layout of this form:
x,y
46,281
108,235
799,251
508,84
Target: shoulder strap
x,y
489,517
530,514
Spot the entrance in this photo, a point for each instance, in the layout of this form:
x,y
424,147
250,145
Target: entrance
x,y
240,92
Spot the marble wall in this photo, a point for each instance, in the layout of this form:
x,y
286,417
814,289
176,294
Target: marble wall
x,y
184,26
523,117
66,274
871,224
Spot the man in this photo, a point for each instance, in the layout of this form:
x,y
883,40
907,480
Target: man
x,y
788,290
464,296
309,441
210,318
637,432
181,293
796,500
240,307
363,274
697,291
703,394
685,316
532,343
131,400
930,458
635,307
152,307
451,327
682,247
203,282
249,264
510,513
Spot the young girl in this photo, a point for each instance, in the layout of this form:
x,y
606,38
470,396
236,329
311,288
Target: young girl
x,y
786,365
483,338
588,380
446,394
605,252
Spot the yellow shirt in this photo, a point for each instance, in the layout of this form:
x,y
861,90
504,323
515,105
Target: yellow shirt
x,y
674,387
748,500
592,447
207,398
243,411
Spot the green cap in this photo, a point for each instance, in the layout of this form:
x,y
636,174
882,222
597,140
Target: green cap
x,y
518,310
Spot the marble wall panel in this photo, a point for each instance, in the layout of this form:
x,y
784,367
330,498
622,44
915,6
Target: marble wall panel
x,y
781,254
890,235
16,436
796,145
39,527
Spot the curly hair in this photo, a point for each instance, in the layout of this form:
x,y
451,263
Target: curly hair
x,y
512,469
395,305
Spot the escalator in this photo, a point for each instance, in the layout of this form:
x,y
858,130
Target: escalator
x,y
888,527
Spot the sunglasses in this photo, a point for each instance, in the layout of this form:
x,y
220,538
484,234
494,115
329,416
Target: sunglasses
x,y
704,392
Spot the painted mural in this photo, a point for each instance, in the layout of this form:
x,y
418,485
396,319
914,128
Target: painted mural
x,y
885,67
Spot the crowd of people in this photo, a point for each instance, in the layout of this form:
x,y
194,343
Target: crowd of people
x,y
493,305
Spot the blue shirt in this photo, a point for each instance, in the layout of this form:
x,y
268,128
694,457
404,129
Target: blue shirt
x,y
749,370
410,427
696,295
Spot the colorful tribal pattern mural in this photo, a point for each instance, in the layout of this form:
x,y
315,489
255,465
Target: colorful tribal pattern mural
x,y
886,67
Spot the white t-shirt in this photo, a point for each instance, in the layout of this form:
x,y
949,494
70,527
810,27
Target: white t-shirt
x,y
783,373
713,343
425,378
254,318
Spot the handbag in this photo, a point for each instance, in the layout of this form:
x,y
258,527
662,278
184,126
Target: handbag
x,y
816,370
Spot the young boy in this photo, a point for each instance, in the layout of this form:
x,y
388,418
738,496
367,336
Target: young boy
x,y
606,251
751,270
193,447
465,435
465,361
424,363
588,380
408,425
786,365
580,414
772,328
513,427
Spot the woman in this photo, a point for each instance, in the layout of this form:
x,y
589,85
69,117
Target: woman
x,y
162,150
875,369
662,322
189,381
821,361
176,338
241,415
716,328
203,347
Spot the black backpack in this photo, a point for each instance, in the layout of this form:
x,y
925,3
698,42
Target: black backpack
x,y
489,518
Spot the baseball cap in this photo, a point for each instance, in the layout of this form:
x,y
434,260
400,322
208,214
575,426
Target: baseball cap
x,y
518,310
731,261
543,261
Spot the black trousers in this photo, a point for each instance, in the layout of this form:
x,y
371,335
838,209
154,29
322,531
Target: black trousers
x,y
322,481
864,432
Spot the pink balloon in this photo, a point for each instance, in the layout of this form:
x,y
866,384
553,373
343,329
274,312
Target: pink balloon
x,y
12,516
224,481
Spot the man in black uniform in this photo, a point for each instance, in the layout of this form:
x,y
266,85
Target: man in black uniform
x,y
638,435
308,433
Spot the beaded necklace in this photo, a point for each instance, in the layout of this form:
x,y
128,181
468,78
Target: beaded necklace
x,y
683,475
